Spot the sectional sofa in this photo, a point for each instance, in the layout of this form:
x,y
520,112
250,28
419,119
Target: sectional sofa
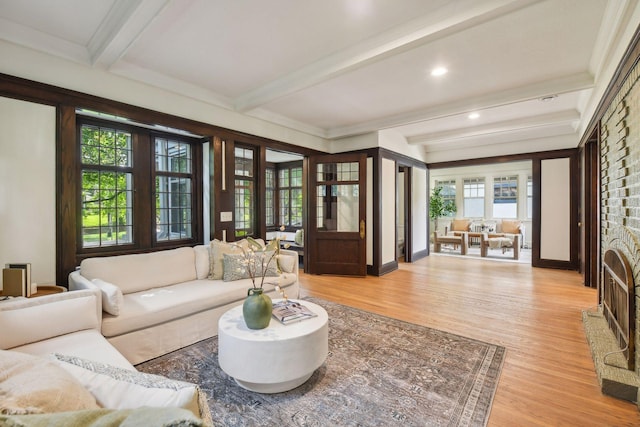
x,y
120,311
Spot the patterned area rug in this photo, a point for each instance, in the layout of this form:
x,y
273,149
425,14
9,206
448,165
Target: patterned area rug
x,y
379,372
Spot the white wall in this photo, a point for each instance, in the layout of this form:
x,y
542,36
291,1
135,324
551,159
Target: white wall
x,y
388,214
555,212
419,210
27,192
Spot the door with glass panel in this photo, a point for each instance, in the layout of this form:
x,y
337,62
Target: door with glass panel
x,y
337,189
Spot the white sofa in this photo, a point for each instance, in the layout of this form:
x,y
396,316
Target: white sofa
x,y
167,300
55,363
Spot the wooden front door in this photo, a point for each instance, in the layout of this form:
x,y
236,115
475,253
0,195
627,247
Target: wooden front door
x,y
337,210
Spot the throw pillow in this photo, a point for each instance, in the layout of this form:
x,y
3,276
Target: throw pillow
x,y
236,268
286,263
218,249
460,225
118,388
112,298
34,385
510,227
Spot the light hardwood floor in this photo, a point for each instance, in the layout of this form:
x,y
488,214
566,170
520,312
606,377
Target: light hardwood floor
x,y
548,377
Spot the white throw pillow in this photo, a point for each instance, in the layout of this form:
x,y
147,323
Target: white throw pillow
x,y
217,251
112,298
202,261
35,385
286,263
117,388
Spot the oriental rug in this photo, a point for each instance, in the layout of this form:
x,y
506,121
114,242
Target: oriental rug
x,y
379,372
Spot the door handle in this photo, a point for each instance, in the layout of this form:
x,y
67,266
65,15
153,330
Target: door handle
x,y
362,234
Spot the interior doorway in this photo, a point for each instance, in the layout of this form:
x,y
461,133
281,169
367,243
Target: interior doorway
x,y
402,214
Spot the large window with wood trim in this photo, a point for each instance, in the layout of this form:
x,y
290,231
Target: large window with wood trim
x,y
290,196
245,197
173,163
106,186
127,201
270,197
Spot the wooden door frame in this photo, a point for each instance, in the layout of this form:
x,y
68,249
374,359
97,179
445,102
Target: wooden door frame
x,y
314,263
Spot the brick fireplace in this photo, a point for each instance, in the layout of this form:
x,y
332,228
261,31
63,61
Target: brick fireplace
x,y
620,221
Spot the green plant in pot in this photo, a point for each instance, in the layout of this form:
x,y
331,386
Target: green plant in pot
x,y
439,207
260,261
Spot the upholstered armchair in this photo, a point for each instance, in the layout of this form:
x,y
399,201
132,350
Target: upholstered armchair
x,y
513,227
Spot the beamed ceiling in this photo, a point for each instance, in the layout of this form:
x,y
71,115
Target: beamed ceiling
x,y
339,68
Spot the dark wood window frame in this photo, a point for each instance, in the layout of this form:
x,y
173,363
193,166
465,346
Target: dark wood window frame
x,y
144,176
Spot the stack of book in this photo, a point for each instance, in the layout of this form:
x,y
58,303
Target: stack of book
x,y
16,280
287,311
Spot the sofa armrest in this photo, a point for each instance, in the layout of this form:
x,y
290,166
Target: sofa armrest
x,y
27,320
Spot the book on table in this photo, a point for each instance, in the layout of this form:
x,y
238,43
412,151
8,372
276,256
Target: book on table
x,y
288,311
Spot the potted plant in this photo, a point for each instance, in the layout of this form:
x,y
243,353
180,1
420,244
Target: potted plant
x,y
438,207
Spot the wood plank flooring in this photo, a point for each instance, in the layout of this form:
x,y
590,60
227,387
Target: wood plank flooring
x,y
548,377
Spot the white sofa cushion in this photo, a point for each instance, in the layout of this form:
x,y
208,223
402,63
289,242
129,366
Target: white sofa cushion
x,y
111,296
88,344
116,388
148,308
202,261
21,318
34,385
139,272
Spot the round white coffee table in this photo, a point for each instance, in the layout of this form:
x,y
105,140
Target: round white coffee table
x,y
277,358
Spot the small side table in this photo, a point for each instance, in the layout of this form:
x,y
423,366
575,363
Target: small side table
x,y
48,290
274,359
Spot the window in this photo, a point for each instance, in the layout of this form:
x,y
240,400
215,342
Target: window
x,y
114,160
244,192
448,193
473,195
290,196
529,197
173,189
106,186
269,197
505,197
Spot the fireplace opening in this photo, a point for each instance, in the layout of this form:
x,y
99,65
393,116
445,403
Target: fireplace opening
x,y
618,303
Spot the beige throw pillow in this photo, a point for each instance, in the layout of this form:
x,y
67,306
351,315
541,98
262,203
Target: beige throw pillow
x,y
218,249
34,385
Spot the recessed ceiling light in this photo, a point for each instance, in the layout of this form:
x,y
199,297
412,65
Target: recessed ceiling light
x,y
439,71
473,116
548,98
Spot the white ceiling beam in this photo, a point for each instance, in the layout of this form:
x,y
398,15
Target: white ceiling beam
x,y
40,41
565,84
568,117
124,23
417,32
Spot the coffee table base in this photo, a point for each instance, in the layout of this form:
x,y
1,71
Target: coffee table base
x,y
273,388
